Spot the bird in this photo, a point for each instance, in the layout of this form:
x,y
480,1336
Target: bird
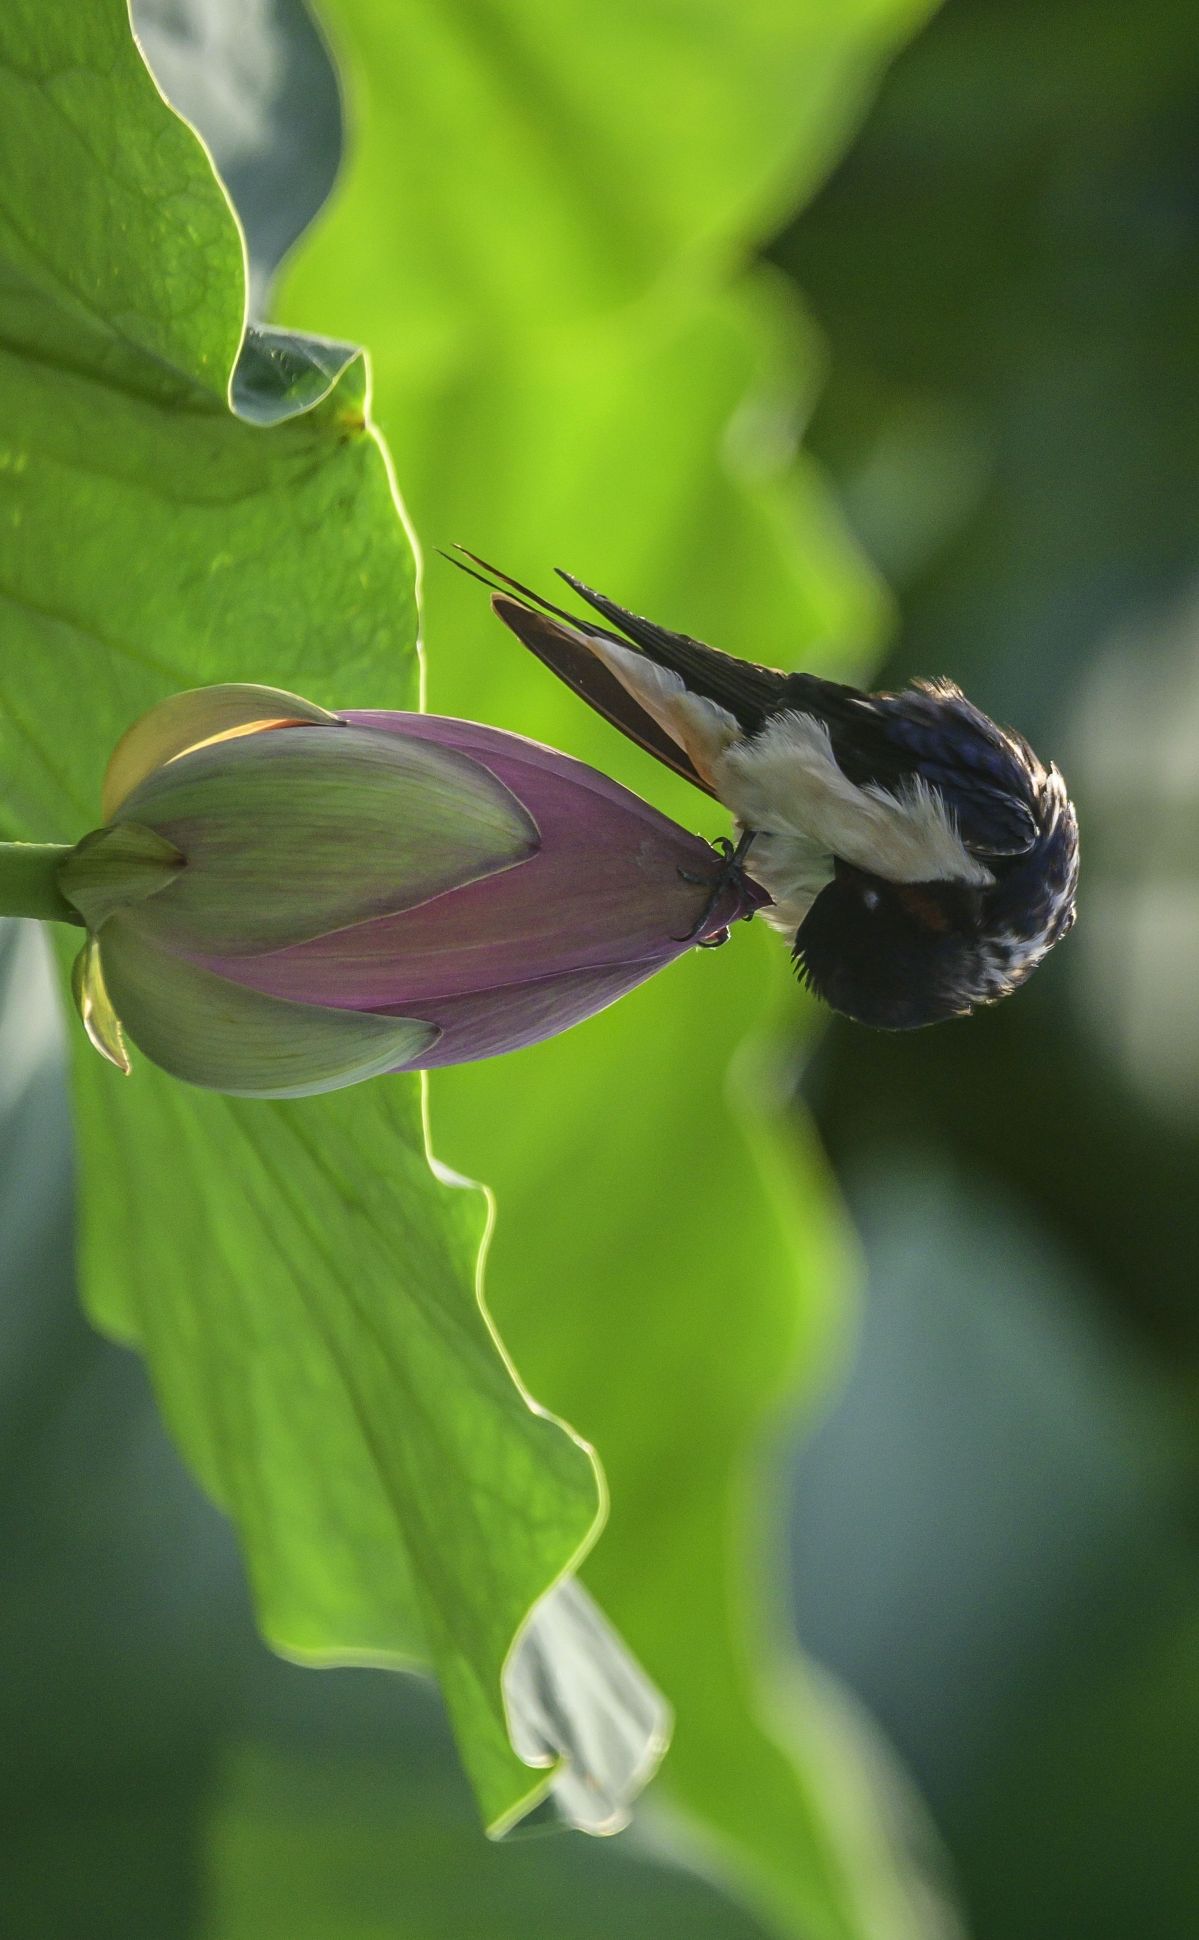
x,y
920,859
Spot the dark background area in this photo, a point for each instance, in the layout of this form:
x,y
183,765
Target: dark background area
x,y
1006,270
993,1536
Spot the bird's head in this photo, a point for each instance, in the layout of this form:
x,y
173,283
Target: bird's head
x,y
901,954
897,955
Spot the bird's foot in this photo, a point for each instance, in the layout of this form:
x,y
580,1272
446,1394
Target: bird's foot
x,y
729,873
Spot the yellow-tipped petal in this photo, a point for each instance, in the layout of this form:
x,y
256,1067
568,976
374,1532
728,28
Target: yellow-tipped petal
x,y
187,720
210,1032
94,1005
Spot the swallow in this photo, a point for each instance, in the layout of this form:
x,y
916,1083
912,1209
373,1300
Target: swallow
x,y
920,860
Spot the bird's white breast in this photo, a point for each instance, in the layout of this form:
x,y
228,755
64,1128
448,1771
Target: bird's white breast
x,y
786,783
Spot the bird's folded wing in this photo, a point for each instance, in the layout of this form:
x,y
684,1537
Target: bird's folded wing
x,y
618,683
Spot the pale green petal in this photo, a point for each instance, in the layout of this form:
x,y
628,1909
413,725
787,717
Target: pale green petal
x,y
112,868
211,1032
289,836
184,720
94,1005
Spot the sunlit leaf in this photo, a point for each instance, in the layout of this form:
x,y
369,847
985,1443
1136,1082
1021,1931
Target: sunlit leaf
x,y
301,1283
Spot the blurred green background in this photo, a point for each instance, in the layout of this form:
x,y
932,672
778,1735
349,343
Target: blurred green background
x,y
990,1535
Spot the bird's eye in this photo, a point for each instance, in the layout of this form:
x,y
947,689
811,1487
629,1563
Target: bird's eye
x,y
871,898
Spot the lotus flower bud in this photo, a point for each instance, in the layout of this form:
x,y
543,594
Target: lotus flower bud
x,y
284,901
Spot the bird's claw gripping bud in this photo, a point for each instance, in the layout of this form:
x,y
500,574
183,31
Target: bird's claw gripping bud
x,y
730,875
284,900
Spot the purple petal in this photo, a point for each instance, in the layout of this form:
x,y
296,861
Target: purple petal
x,y
604,890
497,747
488,1022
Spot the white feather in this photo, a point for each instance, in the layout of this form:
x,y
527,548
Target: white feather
x,y
703,729
785,781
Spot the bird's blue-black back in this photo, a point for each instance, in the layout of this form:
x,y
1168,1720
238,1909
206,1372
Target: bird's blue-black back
x,y
989,776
